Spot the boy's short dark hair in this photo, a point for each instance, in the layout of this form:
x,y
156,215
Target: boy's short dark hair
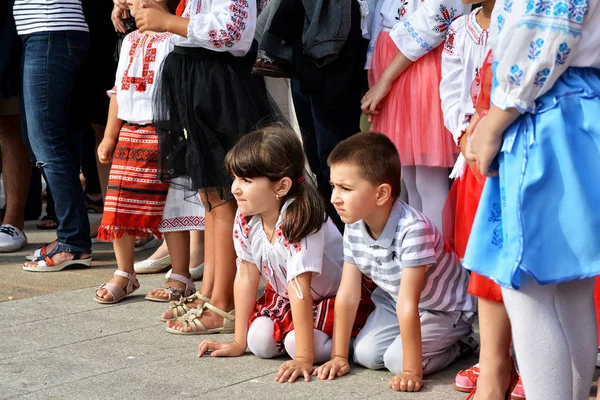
x,y
374,155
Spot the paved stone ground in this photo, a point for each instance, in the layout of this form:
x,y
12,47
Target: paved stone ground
x,y
57,343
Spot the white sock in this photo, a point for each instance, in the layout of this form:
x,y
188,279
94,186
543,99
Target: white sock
x,y
433,187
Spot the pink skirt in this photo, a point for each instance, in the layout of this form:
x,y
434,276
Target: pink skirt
x,y
411,114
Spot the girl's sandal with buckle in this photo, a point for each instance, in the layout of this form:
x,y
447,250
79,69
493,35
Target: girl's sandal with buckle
x,y
180,307
174,293
117,292
193,326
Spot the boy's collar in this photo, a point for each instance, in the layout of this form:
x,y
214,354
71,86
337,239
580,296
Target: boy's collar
x,y
389,231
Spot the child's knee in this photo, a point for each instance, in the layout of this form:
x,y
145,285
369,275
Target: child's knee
x,y
290,344
260,338
366,354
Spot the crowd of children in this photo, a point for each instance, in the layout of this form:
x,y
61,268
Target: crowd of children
x,y
506,93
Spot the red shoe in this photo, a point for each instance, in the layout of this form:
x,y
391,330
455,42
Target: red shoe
x,y
518,392
466,380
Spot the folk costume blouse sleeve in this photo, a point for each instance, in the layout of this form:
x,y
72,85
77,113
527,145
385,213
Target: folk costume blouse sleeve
x,y
305,256
426,28
456,105
221,25
241,239
536,42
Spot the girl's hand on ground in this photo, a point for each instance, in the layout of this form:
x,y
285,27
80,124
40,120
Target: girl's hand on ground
x,y
292,370
105,150
335,367
151,19
228,349
406,382
370,101
484,144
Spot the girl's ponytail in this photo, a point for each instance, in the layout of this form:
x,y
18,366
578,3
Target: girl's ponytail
x,y
306,214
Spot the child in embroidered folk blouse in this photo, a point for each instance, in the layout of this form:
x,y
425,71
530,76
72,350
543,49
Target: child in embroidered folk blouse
x,y
537,225
136,197
403,100
282,232
207,100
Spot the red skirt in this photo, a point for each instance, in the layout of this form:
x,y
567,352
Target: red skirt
x,y
278,308
459,214
135,198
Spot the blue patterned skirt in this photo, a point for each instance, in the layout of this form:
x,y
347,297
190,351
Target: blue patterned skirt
x,y
541,214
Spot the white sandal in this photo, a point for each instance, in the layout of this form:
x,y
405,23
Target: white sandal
x,y
174,293
117,292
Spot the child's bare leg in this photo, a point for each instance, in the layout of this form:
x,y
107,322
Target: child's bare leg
x,y
196,248
178,244
123,247
224,261
495,362
208,278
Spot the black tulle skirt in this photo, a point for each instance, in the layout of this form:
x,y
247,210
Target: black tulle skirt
x,y
204,103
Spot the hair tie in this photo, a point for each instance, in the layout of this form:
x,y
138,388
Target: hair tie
x,y
301,179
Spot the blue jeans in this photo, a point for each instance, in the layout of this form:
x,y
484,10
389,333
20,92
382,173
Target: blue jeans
x,y
50,64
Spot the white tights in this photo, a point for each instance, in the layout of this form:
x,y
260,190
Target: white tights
x,y
262,344
427,189
554,335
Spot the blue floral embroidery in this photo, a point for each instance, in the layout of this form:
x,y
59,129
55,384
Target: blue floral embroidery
x,y
508,5
495,213
541,77
515,76
563,54
500,23
497,239
415,35
535,49
564,16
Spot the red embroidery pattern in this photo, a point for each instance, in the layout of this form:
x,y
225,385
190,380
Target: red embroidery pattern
x,y
149,56
449,45
238,9
402,9
445,19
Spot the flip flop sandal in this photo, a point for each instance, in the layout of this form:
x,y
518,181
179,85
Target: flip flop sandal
x,y
193,326
39,252
44,262
175,294
48,227
179,308
117,292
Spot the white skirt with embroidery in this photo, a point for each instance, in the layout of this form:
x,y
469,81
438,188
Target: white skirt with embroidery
x,y
181,213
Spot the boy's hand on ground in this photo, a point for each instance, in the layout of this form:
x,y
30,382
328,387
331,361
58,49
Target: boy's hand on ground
x,y
335,367
105,150
292,370
406,382
228,349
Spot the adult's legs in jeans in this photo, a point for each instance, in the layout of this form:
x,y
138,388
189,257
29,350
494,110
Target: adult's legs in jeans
x,y
16,169
51,61
495,363
554,335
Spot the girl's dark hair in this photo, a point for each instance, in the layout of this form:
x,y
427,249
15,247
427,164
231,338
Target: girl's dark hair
x,y
172,5
275,152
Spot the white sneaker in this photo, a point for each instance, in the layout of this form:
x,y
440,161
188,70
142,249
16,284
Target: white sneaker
x,y
11,238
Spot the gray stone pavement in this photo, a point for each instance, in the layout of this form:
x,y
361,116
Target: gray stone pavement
x,y
57,343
